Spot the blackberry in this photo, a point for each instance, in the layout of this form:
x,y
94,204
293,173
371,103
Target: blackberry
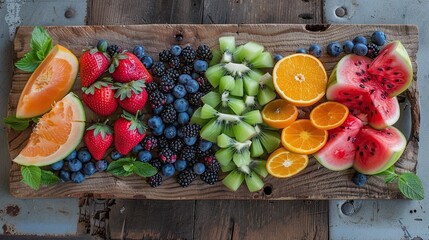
x,y
173,73
373,50
162,142
212,163
167,155
204,52
195,98
157,98
113,49
149,143
165,55
188,54
155,180
167,83
187,69
210,177
186,177
158,69
176,145
151,87
188,154
190,130
174,62
169,114
203,154
205,85
156,164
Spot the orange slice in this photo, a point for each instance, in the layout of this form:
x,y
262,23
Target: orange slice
x,y
282,163
329,115
279,113
57,133
49,83
300,79
304,138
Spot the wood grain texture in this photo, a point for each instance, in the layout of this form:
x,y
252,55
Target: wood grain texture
x,y
314,182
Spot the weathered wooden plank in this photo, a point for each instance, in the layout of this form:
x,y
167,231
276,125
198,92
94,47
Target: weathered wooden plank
x,y
314,182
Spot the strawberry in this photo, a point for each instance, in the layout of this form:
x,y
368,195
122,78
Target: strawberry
x,y
92,64
129,131
127,67
98,139
132,96
100,98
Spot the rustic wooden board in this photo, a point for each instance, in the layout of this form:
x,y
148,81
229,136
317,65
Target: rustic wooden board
x,y
314,182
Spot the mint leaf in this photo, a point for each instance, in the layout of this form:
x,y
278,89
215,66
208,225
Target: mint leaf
x,y
117,167
17,124
411,186
48,178
32,176
41,42
46,48
389,175
29,62
144,169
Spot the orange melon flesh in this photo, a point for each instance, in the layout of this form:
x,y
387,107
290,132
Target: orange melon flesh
x,y
49,83
57,133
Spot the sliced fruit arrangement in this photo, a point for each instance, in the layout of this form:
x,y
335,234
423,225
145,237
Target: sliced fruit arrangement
x,y
283,163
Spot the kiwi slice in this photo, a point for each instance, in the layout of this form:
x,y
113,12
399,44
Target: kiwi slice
x,y
253,182
233,150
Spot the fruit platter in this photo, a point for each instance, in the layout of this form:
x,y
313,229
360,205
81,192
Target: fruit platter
x,y
175,112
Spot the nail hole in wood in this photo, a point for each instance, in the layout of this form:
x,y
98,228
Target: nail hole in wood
x,y
69,13
341,12
306,16
179,37
317,27
306,0
268,190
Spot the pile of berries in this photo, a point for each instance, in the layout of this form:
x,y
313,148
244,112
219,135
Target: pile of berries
x,y
173,99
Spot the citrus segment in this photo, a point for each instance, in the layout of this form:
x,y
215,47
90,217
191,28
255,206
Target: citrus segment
x,y
282,163
279,113
304,138
50,82
329,115
300,79
56,134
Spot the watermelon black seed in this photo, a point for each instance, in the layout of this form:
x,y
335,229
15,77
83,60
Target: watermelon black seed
x,y
361,153
354,140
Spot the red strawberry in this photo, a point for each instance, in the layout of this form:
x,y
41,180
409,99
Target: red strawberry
x,y
129,131
127,67
98,139
100,98
92,64
132,96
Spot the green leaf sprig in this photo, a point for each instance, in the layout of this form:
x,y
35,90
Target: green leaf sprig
x,y
19,124
409,184
124,167
35,177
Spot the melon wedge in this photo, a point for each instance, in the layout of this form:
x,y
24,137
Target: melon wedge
x,y
56,135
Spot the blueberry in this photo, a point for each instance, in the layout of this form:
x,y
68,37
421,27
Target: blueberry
x,y
301,50
360,49
158,110
144,156
190,140
348,46
137,148
89,169
58,165
315,50
83,155
168,170
190,111
334,49
180,165
205,145
181,105
175,50
170,132
378,38
75,165
200,66
199,168
183,118
139,51
154,122
192,86
360,39
65,175
184,78
77,177
101,165
159,130
147,62
170,98
71,156
179,91
102,45
359,179
277,57
115,155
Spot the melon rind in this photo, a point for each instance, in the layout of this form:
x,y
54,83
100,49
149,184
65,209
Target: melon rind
x,y
77,132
